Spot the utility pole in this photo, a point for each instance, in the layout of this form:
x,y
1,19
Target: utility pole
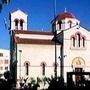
x,y
55,32
62,57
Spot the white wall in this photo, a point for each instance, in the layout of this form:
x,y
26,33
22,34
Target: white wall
x,y
36,54
76,52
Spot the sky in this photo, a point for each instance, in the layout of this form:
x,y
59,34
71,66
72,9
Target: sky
x,y
41,13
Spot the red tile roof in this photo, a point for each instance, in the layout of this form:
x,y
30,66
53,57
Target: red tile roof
x,y
32,32
65,15
33,41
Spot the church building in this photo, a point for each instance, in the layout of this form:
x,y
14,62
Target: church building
x,y
34,54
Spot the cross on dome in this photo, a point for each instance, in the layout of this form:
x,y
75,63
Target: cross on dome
x,y
65,10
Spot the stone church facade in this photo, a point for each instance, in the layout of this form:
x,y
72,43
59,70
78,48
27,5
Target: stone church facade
x,y
33,52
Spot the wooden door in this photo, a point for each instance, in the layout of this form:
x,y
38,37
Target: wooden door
x,y
78,77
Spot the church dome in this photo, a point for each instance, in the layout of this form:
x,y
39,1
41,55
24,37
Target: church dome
x,y
65,15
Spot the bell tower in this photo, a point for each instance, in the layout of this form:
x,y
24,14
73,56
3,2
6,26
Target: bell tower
x,y
18,20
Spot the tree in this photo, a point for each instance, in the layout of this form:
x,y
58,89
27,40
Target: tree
x,y
7,75
3,2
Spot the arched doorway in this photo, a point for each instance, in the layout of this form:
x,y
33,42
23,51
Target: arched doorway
x,y
78,65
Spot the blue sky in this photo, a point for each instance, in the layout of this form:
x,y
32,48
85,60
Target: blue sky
x,y
40,14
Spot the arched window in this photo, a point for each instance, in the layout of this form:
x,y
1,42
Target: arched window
x,y
43,64
27,64
73,41
43,69
83,41
78,39
59,23
16,23
27,68
70,24
21,24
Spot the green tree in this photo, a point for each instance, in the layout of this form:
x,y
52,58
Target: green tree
x,y
2,3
